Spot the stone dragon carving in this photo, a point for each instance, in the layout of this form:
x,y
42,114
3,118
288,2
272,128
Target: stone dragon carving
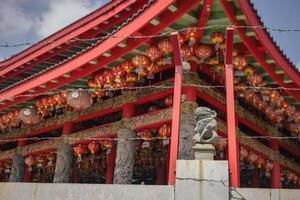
x,y
63,164
206,126
17,169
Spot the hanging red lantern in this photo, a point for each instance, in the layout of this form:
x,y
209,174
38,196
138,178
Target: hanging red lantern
x,y
290,110
132,77
100,80
243,154
274,96
92,83
260,162
249,71
108,76
118,73
181,38
221,144
30,115
192,35
79,150
240,62
270,113
40,161
140,60
169,101
296,117
255,80
217,37
146,134
151,69
235,52
164,131
269,165
93,147
29,162
187,52
79,99
51,158
153,52
203,51
252,157
127,66
107,144
165,47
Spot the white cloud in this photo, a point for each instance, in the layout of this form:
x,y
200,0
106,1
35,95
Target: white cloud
x,y
13,19
61,13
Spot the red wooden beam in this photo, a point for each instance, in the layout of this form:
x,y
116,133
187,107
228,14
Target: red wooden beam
x,y
66,34
63,47
230,10
230,110
205,11
176,108
267,42
167,18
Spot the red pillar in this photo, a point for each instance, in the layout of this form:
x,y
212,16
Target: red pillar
x,y
67,128
111,165
230,109
128,110
275,173
176,108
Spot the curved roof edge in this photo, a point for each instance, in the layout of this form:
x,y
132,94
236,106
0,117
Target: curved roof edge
x,y
62,32
268,42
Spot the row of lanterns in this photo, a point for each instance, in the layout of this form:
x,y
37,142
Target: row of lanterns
x,y
40,161
290,178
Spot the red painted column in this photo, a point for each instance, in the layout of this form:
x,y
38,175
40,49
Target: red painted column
x,y
27,174
230,109
67,128
128,110
111,165
275,173
176,108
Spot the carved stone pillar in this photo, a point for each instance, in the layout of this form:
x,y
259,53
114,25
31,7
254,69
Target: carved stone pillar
x,y
187,132
125,157
17,168
63,164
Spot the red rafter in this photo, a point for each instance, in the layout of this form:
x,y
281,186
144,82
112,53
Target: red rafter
x,y
167,18
230,11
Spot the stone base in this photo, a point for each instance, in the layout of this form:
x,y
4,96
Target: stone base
x,y
204,151
201,180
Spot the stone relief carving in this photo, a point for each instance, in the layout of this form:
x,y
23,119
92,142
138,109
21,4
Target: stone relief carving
x,y
17,168
125,157
206,126
63,164
186,134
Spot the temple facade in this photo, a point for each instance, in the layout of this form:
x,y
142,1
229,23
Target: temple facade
x,y
96,102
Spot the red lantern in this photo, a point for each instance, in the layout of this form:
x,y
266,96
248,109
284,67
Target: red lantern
x,y
274,96
165,47
252,157
235,52
100,80
249,71
40,161
79,99
203,51
192,35
187,51
260,162
151,69
140,61
221,144
153,52
296,117
29,162
92,83
118,72
243,154
269,166
30,116
132,77
79,150
164,131
290,110
217,37
181,38
107,144
93,147
255,80
108,76
240,62
169,101
146,134
270,113
127,66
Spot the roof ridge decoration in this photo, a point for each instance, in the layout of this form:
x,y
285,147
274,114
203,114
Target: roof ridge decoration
x,y
104,9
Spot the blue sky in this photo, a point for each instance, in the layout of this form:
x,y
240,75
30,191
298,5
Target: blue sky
x,y
32,20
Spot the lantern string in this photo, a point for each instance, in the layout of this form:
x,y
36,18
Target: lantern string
x,y
151,87
163,34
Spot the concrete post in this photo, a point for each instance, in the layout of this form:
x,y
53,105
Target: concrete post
x,y
125,157
63,164
17,168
